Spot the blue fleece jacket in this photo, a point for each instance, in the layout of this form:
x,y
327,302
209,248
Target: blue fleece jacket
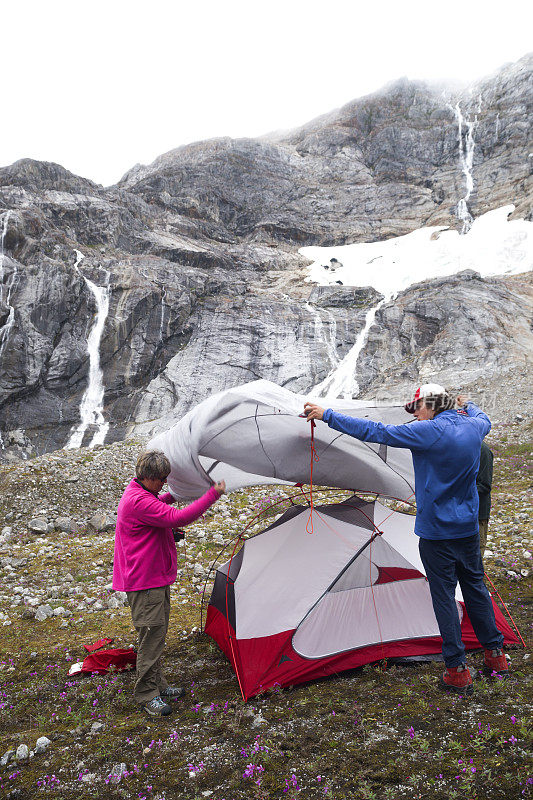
x,y
445,454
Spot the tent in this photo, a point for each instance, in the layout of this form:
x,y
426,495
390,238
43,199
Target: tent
x,y
254,434
293,605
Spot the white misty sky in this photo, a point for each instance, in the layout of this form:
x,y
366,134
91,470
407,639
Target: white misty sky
x,y
100,86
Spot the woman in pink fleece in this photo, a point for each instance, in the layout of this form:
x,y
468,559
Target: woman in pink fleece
x,y
146,564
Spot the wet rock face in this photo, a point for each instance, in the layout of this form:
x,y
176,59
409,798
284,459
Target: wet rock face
x,y
236,340
344,297
454,330
503,135
45,368
207,289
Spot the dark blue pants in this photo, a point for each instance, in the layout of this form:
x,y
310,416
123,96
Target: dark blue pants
x,y
447,561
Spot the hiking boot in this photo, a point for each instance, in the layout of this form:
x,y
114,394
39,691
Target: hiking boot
x,y
156,707
172,693
495,661
457,679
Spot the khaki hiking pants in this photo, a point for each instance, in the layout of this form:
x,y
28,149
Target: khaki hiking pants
x,y
150,612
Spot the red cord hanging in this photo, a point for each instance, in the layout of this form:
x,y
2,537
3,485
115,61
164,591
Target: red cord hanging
x,y
314,457
508,612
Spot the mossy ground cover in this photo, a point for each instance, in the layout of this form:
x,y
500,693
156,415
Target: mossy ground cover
x,y
377,732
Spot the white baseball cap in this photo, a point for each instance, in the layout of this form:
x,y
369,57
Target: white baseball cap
x,y
426,390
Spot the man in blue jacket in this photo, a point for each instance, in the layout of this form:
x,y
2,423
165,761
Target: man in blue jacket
x,y
445,446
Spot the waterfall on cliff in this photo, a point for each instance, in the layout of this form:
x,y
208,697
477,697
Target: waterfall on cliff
x,y
161,323
466,158
91,407
4,219
342,381
6,328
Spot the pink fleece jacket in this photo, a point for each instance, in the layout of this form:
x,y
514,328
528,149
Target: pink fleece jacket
x,y
145,551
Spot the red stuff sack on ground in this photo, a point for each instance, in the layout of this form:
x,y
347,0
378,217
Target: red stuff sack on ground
x,y
102,661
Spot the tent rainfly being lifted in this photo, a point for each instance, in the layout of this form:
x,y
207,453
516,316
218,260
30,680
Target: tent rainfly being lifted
x,y
291,605
254,434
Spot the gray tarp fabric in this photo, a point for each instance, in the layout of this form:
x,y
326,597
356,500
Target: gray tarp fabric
x,y
253,434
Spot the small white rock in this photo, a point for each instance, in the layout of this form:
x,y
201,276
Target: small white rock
x,y
22,753
7,757
42,744
117,772
43,612
38,525
96,727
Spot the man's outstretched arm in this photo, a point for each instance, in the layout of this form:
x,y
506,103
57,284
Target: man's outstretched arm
x,y
414,435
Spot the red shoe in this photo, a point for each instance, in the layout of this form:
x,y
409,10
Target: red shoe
x,y
457,679
495,661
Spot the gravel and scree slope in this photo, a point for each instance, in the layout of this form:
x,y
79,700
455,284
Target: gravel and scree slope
x,y
371,733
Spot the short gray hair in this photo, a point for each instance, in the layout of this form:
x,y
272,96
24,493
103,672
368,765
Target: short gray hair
x,y
152,465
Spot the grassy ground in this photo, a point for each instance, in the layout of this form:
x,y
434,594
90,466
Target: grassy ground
x,y
371,733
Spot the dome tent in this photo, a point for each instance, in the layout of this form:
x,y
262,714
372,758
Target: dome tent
x,y
292,606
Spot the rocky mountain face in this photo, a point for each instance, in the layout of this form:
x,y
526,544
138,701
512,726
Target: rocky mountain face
x,y
458,330
379,166
197,255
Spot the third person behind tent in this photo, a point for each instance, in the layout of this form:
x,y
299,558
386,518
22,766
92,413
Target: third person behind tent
x,y
484,486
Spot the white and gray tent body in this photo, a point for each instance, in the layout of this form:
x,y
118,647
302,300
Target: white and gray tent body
x,y
292,605
254,434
